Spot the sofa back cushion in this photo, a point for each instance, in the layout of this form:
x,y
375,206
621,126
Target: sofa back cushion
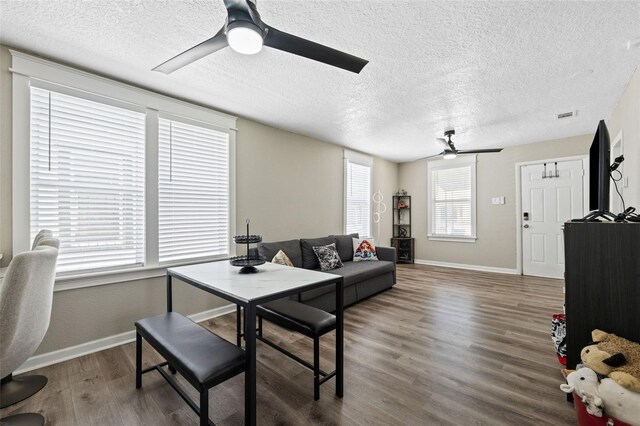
x,y
309,258
291,248
344,244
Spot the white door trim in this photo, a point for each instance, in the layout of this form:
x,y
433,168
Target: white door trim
x,y
585,203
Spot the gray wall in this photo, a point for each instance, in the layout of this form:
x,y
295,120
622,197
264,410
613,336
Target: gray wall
x,y
626,119
496,224
289,185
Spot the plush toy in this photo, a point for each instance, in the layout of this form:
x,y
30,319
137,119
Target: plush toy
x,y
584,382
614,357
620,402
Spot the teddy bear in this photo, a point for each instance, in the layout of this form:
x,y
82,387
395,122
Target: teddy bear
x,y
614,357
620,402
584,382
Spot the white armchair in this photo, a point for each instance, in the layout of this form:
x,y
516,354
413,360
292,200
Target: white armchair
x,y
26,295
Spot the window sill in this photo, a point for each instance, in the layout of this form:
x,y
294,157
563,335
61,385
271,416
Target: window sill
x,y
452,239
84,280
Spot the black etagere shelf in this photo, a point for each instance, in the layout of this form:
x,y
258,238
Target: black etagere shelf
x,y
402,240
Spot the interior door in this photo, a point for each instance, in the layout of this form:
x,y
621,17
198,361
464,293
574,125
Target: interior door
x,y
552,193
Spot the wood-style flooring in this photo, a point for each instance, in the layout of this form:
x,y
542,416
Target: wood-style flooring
x,y
444,346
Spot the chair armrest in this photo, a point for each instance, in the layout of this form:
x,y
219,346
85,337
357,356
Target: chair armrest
x,y
387,253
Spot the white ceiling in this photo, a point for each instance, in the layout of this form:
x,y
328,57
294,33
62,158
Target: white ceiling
x,y
499,71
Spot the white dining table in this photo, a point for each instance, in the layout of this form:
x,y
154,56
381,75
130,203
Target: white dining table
x,y
247,291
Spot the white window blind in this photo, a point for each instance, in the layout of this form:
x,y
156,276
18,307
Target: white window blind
x,y
358,197
87,179
452,199
193,191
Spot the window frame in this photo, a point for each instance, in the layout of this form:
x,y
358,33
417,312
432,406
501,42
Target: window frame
x,y
363,160
442,164
27,70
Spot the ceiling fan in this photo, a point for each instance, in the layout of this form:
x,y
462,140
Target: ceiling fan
x,y
450,150
245,33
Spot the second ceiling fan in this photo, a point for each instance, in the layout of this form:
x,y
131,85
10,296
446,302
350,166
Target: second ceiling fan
x,y
245,33
450,150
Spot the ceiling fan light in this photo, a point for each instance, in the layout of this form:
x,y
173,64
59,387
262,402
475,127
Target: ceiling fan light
x,y
245,38
449,155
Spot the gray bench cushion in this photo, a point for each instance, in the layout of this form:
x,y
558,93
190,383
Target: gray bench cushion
x,y
344,244
352,272
309,258
298,317
202,357
291,248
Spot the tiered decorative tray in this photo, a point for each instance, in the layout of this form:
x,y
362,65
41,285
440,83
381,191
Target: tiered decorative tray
x,y
247,262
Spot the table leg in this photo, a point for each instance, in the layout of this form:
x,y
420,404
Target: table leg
x,y
250,365
340,338
169,294
239,326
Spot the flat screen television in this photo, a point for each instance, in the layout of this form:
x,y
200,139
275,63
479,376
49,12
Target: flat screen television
x,y
599,172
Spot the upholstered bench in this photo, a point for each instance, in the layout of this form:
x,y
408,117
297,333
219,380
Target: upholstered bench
x,y
203,358
307,320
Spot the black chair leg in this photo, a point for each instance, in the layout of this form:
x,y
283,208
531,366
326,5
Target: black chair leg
x,y
204,407
138,361
316,368
172,370
260,326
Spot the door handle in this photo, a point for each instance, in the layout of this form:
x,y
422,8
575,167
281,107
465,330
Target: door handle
x,y
526,225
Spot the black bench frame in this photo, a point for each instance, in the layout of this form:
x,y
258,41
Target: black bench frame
x,y
203,410
319,376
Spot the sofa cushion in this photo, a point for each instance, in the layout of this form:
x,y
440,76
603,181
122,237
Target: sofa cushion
x,y
291,248
355,272
344,243
309,258
352,272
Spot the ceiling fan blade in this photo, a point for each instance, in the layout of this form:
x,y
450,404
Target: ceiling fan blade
x,y
207,47
478,151
430,156
299,46
236,4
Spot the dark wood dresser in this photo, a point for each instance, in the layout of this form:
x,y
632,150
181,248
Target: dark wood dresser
x,y
602,282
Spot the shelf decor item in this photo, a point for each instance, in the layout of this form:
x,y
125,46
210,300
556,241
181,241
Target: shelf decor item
x,y
247,262
380,209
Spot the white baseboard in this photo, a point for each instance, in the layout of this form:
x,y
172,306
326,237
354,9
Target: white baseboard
x,y
468,267
49,358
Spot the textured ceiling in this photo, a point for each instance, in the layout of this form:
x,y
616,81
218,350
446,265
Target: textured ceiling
x,y
499,71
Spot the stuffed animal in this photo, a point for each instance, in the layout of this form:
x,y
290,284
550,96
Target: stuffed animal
x,y
620,402
584,382
614,357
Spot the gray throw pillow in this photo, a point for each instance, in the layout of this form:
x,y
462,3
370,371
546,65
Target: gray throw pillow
x,y
344,244
328,257
291,247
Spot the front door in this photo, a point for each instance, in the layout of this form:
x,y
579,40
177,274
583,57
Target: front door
x,y
552,194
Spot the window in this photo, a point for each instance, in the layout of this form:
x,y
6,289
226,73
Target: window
x,y
130,181
358,193
193,191
87,179
452,207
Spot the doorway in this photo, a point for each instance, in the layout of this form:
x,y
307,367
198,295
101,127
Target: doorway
x,y
551,193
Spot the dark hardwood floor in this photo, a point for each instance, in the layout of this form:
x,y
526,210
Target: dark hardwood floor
x,y
444,346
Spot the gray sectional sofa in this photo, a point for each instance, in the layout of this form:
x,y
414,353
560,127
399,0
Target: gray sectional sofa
x,y
361,279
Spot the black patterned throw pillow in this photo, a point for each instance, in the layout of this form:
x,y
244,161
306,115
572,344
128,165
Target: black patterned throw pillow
x,y
328,257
